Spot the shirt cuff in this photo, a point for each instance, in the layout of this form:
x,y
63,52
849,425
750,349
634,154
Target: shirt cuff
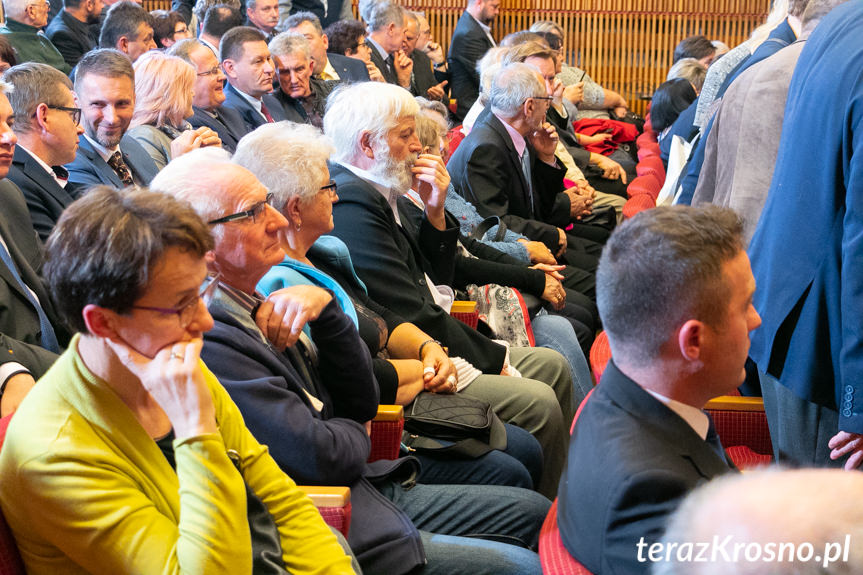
x,y
9,369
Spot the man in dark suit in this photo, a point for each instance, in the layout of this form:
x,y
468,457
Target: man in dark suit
x,y
302,95
210,94
249,67
506,167
70,30
29,341
470,41
47,139
327,66
263,15
128,28
423,81
806,255
675,297
105,86
387,33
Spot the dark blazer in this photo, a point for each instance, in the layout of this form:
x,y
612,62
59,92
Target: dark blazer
x,y
806,250
332,12
293,109
230,125
348,69
378,61
486,171
251,117
89,169
329,447
423,74
392,264
46,199
71,37
20,332
468,45
631,461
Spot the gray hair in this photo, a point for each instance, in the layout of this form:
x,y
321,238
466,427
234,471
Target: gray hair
x,y
288,43
104,62
791,509
546,26
487,67
184,48
15,9
411,17
366,7
372,107
688,69
385,13
298,18
815,11
661,268
512,85
34,84
289,159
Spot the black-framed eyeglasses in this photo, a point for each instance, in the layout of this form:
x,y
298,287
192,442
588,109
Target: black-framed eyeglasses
x,y
186,312
211,72
332,188
254,212
546,98
76,112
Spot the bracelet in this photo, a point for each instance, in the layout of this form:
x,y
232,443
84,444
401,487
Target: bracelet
x,y
423,344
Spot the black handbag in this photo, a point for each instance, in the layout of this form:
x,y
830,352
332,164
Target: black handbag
x,y
453,425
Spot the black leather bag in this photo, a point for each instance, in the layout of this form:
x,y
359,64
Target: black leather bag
x,y
453,424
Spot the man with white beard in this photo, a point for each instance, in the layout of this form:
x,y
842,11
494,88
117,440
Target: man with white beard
x,y
377,159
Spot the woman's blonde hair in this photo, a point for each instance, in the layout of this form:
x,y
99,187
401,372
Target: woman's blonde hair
x,y
164,87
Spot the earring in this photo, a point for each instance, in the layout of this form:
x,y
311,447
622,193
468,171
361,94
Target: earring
x,y
298,226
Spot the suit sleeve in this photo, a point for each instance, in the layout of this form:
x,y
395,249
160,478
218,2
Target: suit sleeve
x,y
67,45
466,52
36,359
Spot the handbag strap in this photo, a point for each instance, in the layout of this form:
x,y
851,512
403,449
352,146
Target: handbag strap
x,y
470,447
486,225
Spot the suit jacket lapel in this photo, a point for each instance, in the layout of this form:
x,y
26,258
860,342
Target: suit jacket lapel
x,y
33,170
98,163
495,124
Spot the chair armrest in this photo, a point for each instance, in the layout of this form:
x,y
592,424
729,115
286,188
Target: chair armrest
x,y
333,503
386,436
465,311
740,421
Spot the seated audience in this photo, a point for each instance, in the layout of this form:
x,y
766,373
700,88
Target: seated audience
x,y
772,520
22,28
688,69
47,124
125,457
375,161
168,28
313,413
698,47
7,54
430,48
163,100
386,34
348,38
302,95
249,67
28,339
423,81
328,66
327,11
105,88
264,16
675,296
71,29
209,94
218,20
129,29
670,99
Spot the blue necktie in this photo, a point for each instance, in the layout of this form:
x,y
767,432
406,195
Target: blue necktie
x,y
49,339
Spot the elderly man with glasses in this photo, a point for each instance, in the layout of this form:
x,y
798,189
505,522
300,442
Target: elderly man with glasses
x,y
47,124
24,21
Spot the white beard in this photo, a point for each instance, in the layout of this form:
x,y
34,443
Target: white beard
x,y
394,173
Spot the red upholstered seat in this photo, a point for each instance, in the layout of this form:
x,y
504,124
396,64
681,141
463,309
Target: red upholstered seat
x,y
645,139
386,435
647,184
600,353
648,149
744,458
10,558
636,204
454,137
651,165
553,556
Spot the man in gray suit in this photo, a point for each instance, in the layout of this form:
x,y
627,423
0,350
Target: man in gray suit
x,y
328,66
105,86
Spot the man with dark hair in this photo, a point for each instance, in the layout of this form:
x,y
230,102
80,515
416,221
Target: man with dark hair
x,y
263,15
47,124
327,11
698,47
470,41
328,66
24,21
250,70
386,35
70,30
674,293
129,29
210,94
302,95
218,20
105,86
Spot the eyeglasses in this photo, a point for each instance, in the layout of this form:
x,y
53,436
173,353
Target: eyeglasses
x,y
210,72
254,212
331,188
187,312
546,98
76,112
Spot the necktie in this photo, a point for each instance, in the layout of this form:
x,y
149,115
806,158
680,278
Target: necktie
x,y
713,439
525,168
391,64
118,165
49,338
266,112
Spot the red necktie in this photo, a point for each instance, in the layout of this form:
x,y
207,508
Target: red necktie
x,y
266,112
